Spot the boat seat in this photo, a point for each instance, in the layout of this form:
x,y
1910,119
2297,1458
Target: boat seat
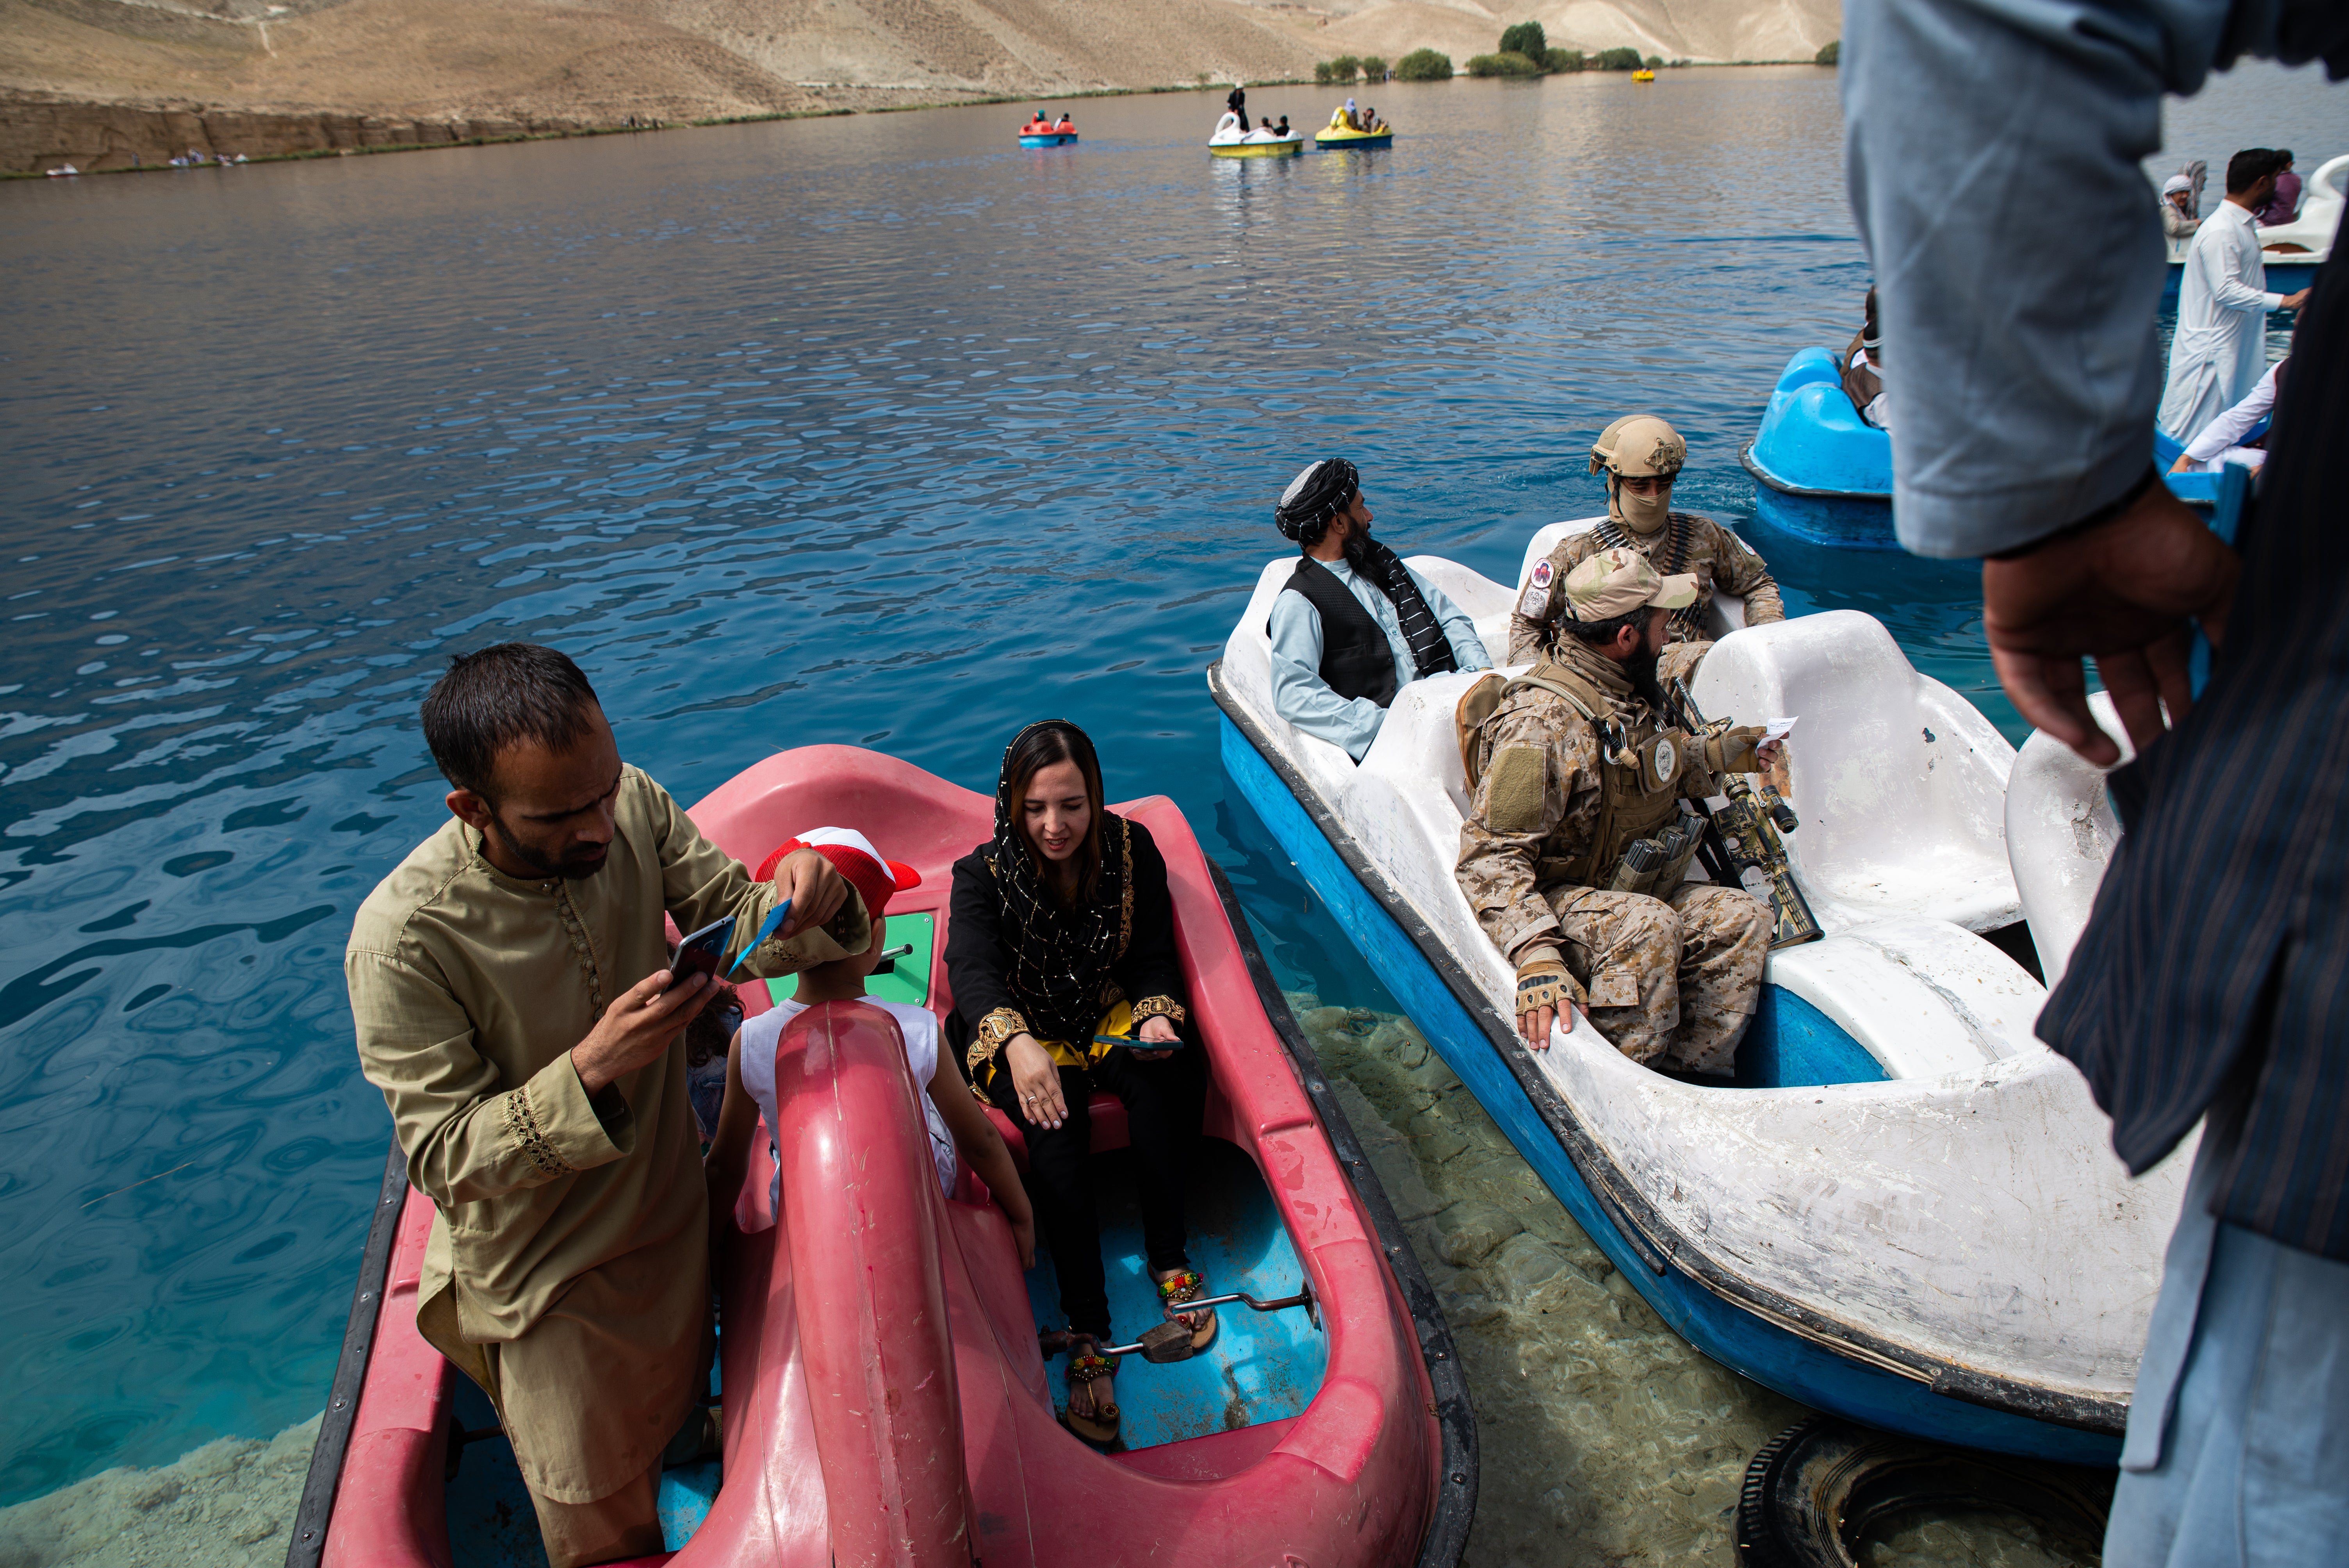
x,y
2060,834
1810,366
1108,1126
1901,782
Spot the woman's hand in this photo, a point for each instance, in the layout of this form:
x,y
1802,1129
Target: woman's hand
x,y
1036,1080
1159,1027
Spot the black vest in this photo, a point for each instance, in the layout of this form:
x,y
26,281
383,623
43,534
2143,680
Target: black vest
x,y
1356,658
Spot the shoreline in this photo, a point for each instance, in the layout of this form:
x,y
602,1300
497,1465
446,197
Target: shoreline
x,y
344,134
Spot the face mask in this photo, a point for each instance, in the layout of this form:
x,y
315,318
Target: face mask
x,y
1639,513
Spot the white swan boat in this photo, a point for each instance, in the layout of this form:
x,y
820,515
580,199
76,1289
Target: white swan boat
x,y
1908,1211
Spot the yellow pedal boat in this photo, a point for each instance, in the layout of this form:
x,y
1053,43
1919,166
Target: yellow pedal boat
x,y
1338,136
1289,146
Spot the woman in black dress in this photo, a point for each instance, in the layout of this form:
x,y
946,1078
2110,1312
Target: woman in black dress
x,y
1061,953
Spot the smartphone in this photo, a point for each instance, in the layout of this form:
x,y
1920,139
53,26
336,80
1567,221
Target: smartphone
x,y
699,954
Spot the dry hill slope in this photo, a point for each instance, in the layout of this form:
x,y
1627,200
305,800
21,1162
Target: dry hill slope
x,y
101,81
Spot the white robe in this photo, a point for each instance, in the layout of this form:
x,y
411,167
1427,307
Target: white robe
x,y
2221,345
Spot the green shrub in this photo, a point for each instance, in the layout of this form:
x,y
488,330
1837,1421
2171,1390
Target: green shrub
x,y
1374,66
1653,61
1423,66
1502,65
1524,39
1322,75
1830,53
1562,60
1345,69
1618,59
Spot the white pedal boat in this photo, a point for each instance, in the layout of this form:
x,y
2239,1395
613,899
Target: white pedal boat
x,y
1910,1212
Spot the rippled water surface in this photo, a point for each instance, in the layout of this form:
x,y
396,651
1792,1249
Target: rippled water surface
x,y
873,430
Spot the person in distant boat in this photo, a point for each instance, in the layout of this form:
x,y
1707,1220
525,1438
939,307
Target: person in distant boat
x,y
1577,781
1863,370
1281,130
959,1132
1371,121
511,989
1641,456
2178,208
2282,204
2228,438
1064,126
1236,104
2220,348
1354,625
1061,955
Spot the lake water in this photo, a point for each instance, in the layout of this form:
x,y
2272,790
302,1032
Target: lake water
x,y
875,430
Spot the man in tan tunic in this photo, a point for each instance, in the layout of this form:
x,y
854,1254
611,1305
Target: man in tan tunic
x,y
1641,456
1575,765
509,982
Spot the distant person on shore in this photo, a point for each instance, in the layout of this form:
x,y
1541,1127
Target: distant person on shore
x,y
2204,995
2179,222
2220,348
1353,624
1863,369
511,989
2283,204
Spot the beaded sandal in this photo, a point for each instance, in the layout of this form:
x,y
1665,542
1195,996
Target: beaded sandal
x,y
1086,1366
1187,1285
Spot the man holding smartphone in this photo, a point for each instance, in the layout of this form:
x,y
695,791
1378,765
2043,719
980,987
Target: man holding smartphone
x,y
511,989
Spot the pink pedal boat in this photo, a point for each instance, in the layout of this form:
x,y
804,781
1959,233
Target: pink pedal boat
x,y
885,1396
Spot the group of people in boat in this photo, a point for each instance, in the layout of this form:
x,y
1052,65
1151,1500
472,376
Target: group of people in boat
x,y
2219,386
1233,126
1365,121
1579,766
513,1000
1039,125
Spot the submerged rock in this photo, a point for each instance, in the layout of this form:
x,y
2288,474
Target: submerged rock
x,y
224,1505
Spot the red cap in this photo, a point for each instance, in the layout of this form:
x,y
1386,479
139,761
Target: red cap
x,y
852,854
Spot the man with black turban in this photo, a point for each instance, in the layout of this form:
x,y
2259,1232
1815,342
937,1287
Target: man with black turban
x,y
1354,625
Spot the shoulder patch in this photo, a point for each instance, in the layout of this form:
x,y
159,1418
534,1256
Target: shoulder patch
x,y
1513,803
1543,571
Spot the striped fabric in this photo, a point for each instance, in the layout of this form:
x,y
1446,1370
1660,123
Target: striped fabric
x,y
2220,938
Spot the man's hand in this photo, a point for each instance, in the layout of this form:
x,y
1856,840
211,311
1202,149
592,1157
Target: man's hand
x,y
635,1030
1157,1027
2120,594
1545,991
2294,301
815,889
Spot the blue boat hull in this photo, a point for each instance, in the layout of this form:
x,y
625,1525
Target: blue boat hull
x,y
1797,1366
1052,138
2283,277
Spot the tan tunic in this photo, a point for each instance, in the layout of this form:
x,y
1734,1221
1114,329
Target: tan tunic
x,y
1720,561
571,1230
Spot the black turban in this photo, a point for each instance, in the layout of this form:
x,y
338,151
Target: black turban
x,y
1316,496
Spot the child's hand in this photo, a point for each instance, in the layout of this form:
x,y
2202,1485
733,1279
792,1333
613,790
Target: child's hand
x,y
1023,1232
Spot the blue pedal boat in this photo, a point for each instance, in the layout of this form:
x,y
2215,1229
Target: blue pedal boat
x,y
1826,473
1048,139
1905,1209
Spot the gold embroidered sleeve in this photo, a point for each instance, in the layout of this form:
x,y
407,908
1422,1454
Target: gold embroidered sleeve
x,y
994,1032
1159,1007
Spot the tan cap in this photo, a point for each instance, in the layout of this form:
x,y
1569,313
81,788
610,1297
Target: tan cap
x,y
1639,445
1617,581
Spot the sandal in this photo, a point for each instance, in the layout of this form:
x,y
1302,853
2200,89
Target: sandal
x,y
1185,1284
1086,1366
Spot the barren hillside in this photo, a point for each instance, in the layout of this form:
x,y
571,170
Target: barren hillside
x,y
95,80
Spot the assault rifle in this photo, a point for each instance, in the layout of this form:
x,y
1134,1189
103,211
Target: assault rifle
x,y
1741,845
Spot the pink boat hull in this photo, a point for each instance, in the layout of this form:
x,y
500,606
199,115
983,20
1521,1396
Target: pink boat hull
x,y
885,1400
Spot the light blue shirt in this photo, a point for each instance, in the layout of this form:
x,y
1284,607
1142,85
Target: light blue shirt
x,y
1992,150
1301,697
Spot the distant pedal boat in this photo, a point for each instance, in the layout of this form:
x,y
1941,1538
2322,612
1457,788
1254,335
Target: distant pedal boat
x,y
1336,137
1906,1210
1048,139
1288,146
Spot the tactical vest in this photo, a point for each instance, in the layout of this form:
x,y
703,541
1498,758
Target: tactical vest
x,y
1639,786
1356,658
1679,530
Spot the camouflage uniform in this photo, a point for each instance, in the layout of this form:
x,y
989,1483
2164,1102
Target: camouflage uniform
x,y
1672,981
1717,558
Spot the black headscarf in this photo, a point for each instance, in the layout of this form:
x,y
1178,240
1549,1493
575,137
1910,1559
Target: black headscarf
x,y
1061,953
1304,513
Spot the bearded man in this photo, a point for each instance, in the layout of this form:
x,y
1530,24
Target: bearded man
x,y
1354,625
510,984
1641,456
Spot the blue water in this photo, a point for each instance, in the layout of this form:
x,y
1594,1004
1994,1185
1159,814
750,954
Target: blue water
x,y
875,430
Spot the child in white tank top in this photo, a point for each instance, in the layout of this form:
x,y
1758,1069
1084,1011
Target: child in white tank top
x,y
956,1123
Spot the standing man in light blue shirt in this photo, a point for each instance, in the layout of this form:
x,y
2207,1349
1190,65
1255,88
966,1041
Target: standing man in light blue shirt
x,y
1354,625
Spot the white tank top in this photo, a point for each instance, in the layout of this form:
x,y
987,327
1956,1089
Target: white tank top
x,y
920,1028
